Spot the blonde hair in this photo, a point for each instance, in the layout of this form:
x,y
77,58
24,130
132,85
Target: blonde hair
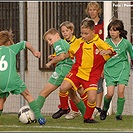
x,y
94,4
87,23
68,25
51,31
6,36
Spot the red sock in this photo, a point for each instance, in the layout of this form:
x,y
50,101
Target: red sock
x,y
64,100
89,110
84,98
73,106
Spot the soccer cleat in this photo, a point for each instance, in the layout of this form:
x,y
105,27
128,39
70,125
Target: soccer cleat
x,y
90,121
103,114
72,115
98,109
119,117
96,112
60,112
41,121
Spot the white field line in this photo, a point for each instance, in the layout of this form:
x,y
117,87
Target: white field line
x,y
61,127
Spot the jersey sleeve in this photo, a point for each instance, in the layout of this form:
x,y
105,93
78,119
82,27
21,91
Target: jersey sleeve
x,y
61,47
105,46
130,49
16,48
73,48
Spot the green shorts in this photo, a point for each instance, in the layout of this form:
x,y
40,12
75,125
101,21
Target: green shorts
x,y
16,91
112,81
59,74
118,74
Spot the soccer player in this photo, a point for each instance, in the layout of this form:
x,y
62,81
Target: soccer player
x,y
62,67
10,81
67,31
117,68
93,11
91,54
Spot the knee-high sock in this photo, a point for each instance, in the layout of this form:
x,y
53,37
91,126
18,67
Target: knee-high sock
x,y
81,107
1,112
120,106
106,103
73,105
89,110
40,101
84,98
34,107
64,100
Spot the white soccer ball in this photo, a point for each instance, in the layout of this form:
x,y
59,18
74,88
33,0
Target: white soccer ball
x,y
26,115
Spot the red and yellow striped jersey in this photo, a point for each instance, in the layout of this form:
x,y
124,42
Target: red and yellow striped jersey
x,y
88,60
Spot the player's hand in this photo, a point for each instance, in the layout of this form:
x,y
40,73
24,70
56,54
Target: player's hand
x,y
51,57
105,52
48,65
37,54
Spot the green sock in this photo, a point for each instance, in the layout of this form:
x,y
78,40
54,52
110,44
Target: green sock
x,y
40,101
1,112
120,106
106,103
81,107
34,107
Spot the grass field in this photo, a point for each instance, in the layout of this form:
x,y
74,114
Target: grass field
x,y
9,122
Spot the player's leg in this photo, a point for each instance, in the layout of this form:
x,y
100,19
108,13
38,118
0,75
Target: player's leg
x,y
78,102
63,94
91,103
107,100
74,110
2,101
99,95
120,101
34,106
53,83
48,89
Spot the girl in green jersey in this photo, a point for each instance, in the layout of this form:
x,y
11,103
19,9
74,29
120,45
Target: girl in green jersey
x,y
10,81
117,68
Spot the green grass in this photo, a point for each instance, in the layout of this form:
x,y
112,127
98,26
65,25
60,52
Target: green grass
x,y
9,122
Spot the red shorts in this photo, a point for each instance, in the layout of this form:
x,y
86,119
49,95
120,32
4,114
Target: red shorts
x,y
76,82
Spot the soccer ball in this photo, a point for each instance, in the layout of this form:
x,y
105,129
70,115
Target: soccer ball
x,y
26,115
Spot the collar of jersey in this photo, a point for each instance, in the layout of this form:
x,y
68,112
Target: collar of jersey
x,y
72,40
94,39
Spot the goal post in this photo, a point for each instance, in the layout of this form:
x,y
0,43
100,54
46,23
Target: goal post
x,y
107,18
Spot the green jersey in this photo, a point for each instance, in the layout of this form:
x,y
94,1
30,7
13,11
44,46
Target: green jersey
x,y
9,78
118,67
63,67
60,47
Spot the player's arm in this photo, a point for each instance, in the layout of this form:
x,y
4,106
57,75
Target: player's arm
x,y
106,49
33,50
56,59
106,52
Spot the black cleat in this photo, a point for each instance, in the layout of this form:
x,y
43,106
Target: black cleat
x,y
119,117
60,112
103,114
90,121
98,109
